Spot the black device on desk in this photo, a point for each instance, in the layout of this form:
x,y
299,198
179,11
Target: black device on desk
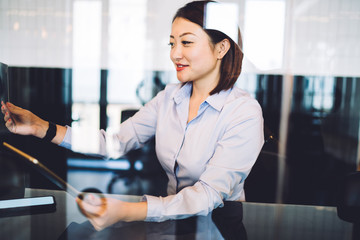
x,y
12,187
25,206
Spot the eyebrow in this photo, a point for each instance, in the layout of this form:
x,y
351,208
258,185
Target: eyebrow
x,y
186,33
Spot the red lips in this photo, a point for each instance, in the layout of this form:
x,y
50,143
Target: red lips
x,y
180,67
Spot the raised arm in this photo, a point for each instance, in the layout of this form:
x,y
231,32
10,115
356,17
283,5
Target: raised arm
x,y
23,122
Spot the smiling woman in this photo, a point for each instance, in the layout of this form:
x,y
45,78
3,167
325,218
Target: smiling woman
x,y
206,15
196,59
208,132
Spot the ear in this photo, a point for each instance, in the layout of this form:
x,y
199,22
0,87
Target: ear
x,y
222,48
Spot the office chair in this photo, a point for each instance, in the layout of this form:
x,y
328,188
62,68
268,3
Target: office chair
x,y
132,156
348,205
260,185
147,156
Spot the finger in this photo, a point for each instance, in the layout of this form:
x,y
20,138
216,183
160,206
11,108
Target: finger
x,y
95,210
12,108
10,125
93,199
95,225
90,210
93,219
82,210
6,116
3,107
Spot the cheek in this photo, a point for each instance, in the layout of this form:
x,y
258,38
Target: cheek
x,y
197,56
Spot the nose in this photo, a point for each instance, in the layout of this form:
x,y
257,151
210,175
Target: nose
x,y
176,53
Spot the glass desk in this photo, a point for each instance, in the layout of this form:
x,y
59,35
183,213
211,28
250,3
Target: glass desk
x,y
260,221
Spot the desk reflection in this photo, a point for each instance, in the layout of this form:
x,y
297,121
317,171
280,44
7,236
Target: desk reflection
x,y
228,222
260,221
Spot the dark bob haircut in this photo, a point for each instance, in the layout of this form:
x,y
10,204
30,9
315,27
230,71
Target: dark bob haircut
x,y
230,68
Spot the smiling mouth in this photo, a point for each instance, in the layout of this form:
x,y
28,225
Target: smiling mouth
x,y
180,67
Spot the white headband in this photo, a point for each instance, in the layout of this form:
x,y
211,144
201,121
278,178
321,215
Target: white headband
x,y
222,17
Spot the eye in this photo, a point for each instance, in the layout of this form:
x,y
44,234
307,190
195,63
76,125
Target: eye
x,y
171,44
186,42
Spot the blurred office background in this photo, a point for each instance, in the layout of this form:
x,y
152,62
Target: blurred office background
x,y
90,63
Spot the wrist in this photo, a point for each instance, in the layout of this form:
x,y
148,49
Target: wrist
x,y
134,211
41,128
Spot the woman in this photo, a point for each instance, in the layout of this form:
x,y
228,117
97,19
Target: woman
x,y
208,132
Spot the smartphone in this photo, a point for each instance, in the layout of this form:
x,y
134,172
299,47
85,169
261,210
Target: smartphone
x,y
27,206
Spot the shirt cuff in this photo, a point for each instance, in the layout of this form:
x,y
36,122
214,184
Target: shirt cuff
x,y
154,208
66,142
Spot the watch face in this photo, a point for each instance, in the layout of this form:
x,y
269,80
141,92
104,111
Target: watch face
x,y
4,83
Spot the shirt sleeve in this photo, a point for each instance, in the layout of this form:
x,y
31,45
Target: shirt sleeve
x,y
133,133
223,178
66,142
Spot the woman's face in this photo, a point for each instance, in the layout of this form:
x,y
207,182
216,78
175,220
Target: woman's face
x,y
192,53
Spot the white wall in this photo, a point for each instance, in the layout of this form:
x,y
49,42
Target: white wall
x,y
36,33
321,37
325,37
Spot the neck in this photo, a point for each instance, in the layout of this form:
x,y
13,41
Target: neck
x,y
201,89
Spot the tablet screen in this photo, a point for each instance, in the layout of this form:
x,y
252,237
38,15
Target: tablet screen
x,y
44,170
4,83
95,199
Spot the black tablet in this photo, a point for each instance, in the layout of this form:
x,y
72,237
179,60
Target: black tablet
x,y
44,170
4,83
96,198
27,206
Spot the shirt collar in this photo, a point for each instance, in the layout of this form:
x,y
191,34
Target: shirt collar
x,y
217,101
183,92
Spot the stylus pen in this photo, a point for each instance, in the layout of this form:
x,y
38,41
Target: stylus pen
x,y
50,174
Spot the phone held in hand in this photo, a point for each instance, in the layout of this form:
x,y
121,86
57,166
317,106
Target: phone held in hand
x,y
27,206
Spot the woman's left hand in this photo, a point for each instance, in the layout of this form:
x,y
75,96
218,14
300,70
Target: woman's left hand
x,y
108,211
103,214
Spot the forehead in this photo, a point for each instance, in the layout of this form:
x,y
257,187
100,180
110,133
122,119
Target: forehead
x,y
181,26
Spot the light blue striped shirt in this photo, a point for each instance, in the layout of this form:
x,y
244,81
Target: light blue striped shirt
x,y
207,159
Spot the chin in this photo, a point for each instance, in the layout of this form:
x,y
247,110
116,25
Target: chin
x,y
182,80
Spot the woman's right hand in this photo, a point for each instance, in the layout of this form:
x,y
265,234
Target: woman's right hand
x,y
23,122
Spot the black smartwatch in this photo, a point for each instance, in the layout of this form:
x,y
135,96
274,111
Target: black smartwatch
x,y
50,133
